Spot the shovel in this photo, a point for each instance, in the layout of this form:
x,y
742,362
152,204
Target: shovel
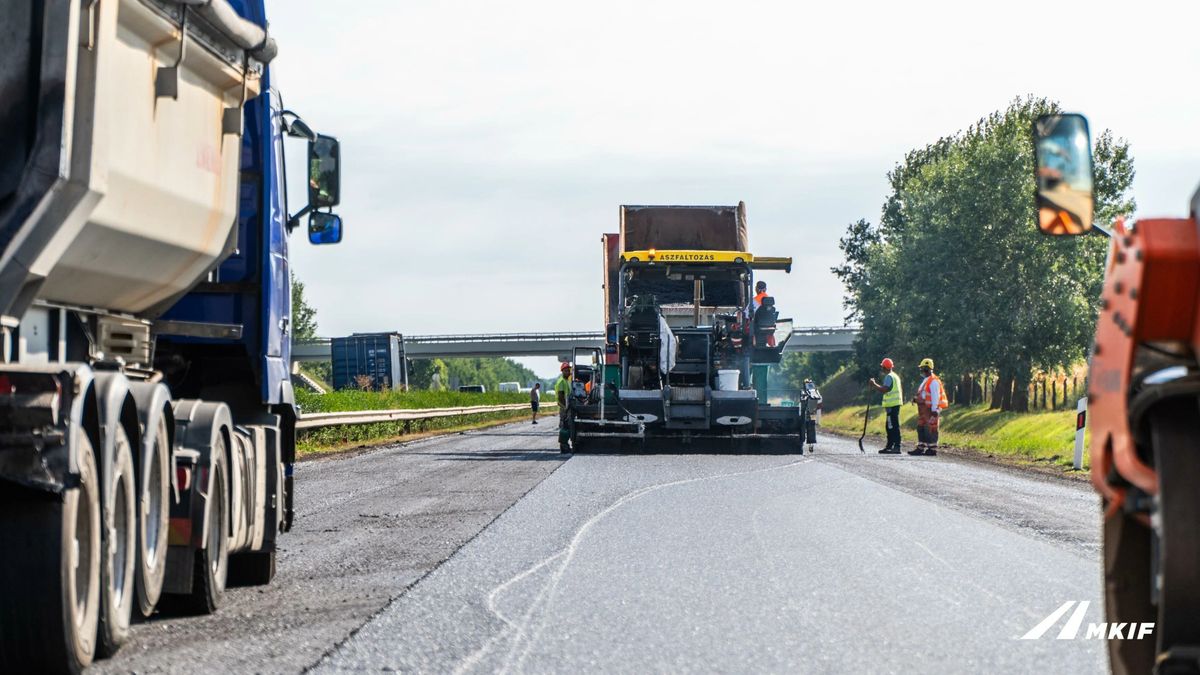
x,y
866,416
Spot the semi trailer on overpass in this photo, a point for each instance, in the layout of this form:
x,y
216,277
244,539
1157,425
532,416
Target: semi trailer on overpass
x,y
147,421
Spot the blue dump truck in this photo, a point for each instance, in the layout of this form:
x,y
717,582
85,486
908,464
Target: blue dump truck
x,y
147,419
688,342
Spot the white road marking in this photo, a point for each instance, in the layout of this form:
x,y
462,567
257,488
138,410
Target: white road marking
x,y
522,640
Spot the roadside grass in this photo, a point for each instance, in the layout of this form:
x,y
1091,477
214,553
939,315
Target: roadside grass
x,y
1035,437
313,442
355,399
310,442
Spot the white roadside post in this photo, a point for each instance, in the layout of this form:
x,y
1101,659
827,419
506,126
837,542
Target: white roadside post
x,y
1080,423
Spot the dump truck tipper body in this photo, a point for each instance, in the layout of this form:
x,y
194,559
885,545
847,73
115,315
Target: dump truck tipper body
x,y
147,423
687,346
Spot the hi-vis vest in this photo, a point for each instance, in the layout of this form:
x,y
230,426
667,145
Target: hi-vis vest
x,y
942,403
895,395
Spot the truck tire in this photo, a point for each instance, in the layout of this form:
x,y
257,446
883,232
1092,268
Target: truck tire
x,y
1129,549
50,574
254,568
154,501
118,544
211,567
1127,579
1173,433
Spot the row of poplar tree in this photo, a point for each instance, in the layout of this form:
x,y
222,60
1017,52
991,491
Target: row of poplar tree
x,y
957,271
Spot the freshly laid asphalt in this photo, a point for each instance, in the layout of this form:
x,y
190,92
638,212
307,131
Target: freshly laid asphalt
x,y
487,551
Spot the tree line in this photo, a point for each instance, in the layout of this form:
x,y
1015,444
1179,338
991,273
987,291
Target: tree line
x,y
451,373
956,270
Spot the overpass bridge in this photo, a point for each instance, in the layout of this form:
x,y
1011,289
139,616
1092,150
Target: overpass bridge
x,y
810,339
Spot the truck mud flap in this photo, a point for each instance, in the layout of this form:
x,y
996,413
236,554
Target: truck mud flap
x,y
198,428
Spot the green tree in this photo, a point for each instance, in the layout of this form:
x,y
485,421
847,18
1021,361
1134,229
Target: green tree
x,y
421,374
957,271
797,367
304,327
304,316
489,372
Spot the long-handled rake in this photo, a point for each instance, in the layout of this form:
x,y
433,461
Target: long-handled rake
x,y
866,416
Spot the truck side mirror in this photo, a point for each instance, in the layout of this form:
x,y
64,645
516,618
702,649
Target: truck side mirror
x,y
324,228
324,172
1063,156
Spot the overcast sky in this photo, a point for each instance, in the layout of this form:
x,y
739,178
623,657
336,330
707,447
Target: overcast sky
x,y
486,146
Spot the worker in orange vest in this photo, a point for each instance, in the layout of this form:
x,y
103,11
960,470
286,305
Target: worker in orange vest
x,y
931,401
760,292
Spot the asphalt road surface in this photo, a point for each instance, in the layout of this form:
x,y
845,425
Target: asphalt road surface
x,y
486,552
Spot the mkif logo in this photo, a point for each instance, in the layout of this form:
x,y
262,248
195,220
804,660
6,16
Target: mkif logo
x,y
1095,631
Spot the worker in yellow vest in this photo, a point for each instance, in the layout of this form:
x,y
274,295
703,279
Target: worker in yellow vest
x,y
931,401
562,393
893,396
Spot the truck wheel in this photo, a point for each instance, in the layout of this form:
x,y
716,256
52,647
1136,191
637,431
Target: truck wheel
x,y
212,562
50,574
119,549
1129,548
1173,424
153,511
1127,580
255,568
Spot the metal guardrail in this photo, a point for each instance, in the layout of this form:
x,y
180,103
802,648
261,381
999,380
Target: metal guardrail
x,y
333,419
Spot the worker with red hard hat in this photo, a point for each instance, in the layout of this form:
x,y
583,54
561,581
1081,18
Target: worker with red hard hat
x,y
893,396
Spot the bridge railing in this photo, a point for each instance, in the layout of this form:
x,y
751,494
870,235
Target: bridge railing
x,y
565,335
501,344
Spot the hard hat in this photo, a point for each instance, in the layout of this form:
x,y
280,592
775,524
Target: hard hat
x,y
567,366
927,363
886,363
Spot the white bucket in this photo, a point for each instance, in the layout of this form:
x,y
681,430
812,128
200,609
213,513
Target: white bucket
x,y
727,380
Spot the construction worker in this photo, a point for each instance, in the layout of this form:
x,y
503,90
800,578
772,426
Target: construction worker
x,y
931,401
535,398
562,390
893,396
760,292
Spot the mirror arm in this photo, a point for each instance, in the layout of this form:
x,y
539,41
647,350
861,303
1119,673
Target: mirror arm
x,y
295,220
296,127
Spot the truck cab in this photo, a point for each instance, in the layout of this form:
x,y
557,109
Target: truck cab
x,y
147,420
